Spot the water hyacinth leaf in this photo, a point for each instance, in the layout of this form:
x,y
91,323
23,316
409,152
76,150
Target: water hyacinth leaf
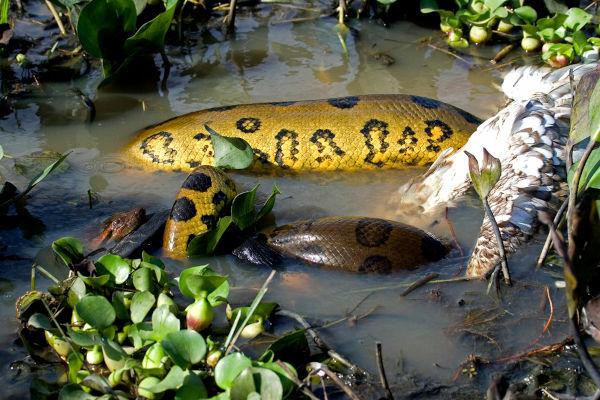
x,y
527,14
114,265
219,294
173,380
580,43
68,249
287,381
160,274
243,212
149,258
207,243
97,383
74,392
118,303
40,321
141,304
230,152
96,311
594,111
95,281
113,354
576,18
74,362
196,282
76,292
257,380
590,176
269,204
163,323
263,310
229,367
494,4
103,26
429,6
84,338
143,279
292,348
192,388
150,37
185,348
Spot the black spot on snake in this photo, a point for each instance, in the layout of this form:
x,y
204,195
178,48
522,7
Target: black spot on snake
x,y
470,118
221,108
248,124
285,136
282,103
425,102
344,102
261,156
373,233
183,210
219,197
326,136
375,129
408,140
201,136
209,221
198,181
380,264
166,138
193,164
437,131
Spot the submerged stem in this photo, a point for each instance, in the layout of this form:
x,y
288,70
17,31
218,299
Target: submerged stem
x,y
496,229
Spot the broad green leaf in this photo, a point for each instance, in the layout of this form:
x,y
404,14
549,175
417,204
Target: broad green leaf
x,y
40,321
96,311
263,310
76,292
192,388
229,367
163,323
143,279
243,212
94,281
269,204
97,382
230,152
149,258
141,304
527,14
494,4
429,6
140,5
580,43
74,363
196,282
84,338
594,112
287,381
104,25
150,38
555,6
118,303
68,249
185,347
207,243
257,380
114,265
160,274
292,347
4,6
172,381
590,176
576,18
74,392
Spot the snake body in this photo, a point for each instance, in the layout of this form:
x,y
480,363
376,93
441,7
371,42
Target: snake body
x,y
348,133
353,244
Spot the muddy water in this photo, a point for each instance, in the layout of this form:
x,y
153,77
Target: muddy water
x,y
274,60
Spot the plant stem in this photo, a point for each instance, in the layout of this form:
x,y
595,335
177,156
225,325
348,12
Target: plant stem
x,y
496,229
381,368
56,16
548,242
230,19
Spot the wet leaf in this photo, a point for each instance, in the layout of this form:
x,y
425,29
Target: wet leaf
x,y
164,323
257,380
143,279
141,304
286,380
527,14
172,381
40,321
84,338
229,367
269,204
185,347
69,250
150,37
292,347
576,18
95,281
96,311
207,243
150,259
243,211
115,266
76,292
230,152
118,303
197,282
192,388
74,392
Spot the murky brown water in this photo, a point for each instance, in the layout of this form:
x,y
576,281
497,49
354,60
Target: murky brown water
x,y
270,61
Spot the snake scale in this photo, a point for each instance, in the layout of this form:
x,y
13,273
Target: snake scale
x,y
348,133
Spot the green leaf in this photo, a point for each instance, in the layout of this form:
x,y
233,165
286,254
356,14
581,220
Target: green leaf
x,y
150,259
141,304
118,303
230,152
292,347
160,274
4,6
243,212
580,43
114,265
429,6
229,367
150,38
527,14
94,281
96,311
555,6
594,113
97,382
192,388
185,347
200,281
207,243
577,19
172,381
84,338
74,392
74,362
68,249
143,279
263,310
257,380
76,292
269,204
590,176
287,381
163,323
104,25
494,4
40,321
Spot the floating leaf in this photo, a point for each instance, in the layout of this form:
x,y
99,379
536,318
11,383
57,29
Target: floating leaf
x,y
143,279
576,18
200,281
69,250
257,380
94,281
192,388
76,292
40,321
114,265
292,347
84,338
230,152
207,243
141,304
229,367
172,381
163,323
96,311
74,392
185,347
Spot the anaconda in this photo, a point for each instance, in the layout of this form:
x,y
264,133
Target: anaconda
x,y
352,244
357,132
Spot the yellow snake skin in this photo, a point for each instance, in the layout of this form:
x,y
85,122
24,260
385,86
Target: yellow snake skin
x,y
201,199
358,132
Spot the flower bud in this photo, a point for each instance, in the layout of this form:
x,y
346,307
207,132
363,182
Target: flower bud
x,y
479,34
251,331
145,385
199,315
558,61
94,356
530,43
505,27
213,358
61,346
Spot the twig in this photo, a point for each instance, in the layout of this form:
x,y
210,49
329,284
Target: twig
x,y
47,274
56,16
336,379
230,18
548,349
298,383
548,242
341,11
319,342
453,233
381,368
549,321
584,355
418,283
502,53
433,46
403,285
496,229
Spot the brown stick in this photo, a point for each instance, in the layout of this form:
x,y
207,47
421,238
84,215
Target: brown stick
x,y
418,283
230,18
336,379
54,13
453,233
548,242
496,229
549,321
502,53
381,368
